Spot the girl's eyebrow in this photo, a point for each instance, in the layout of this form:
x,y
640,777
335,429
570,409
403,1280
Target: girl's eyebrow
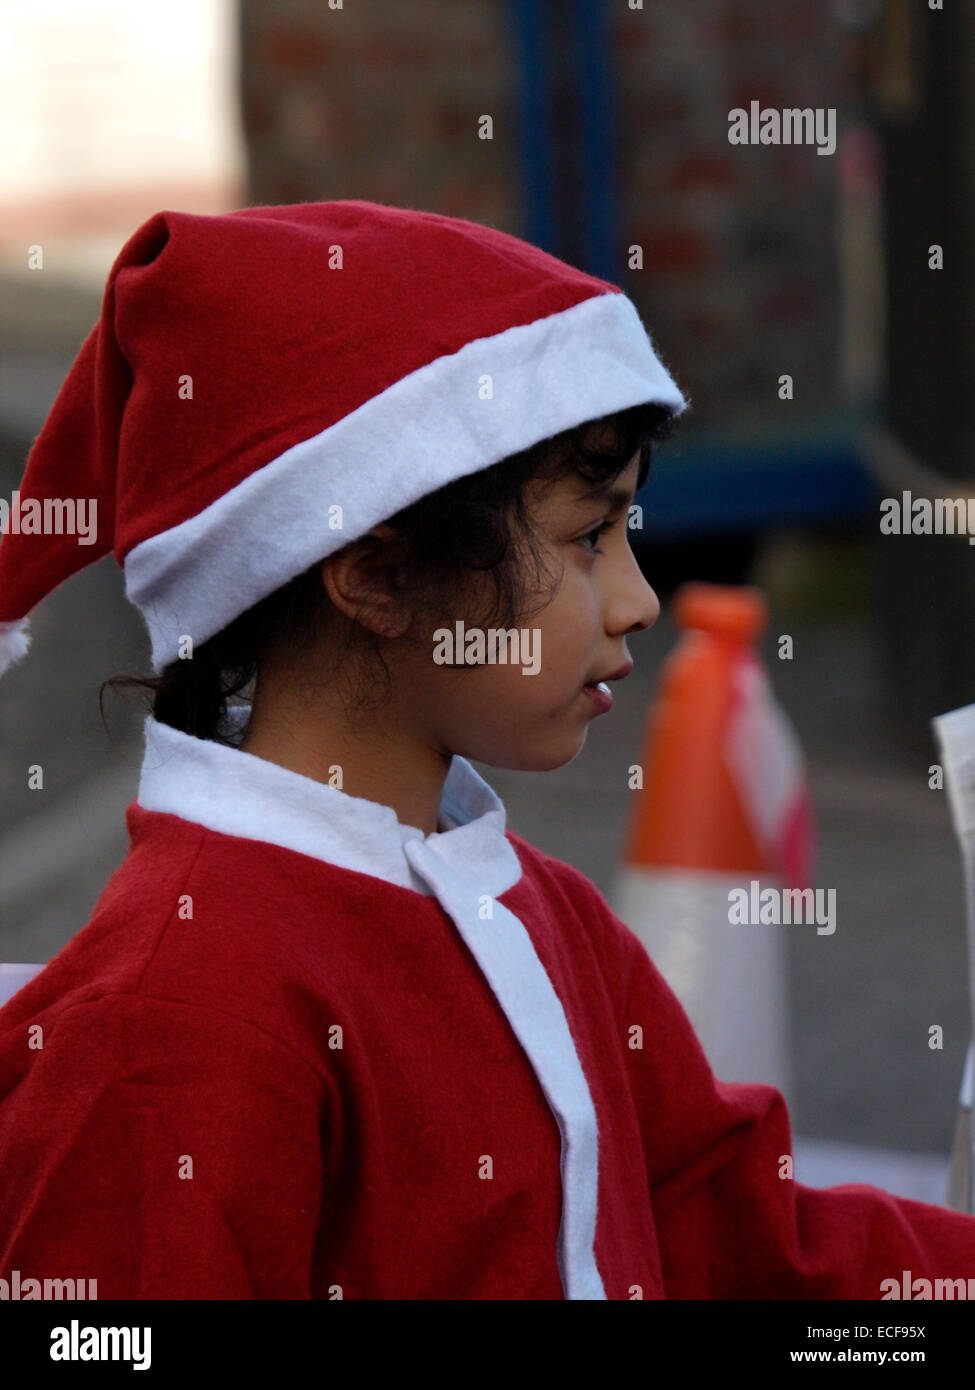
x,y
613,496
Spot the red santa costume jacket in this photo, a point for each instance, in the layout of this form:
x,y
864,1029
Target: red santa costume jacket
x,y
302,1051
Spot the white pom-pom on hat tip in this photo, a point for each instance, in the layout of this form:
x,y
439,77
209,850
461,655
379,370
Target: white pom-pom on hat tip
x,y
14,642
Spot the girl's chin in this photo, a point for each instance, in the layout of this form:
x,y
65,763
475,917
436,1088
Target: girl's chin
x,y
536,757
560,753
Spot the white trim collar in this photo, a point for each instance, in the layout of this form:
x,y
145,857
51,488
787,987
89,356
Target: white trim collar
x,y
237,793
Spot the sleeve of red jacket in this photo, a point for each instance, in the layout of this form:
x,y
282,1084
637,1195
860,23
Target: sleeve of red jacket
x,y
731,1223
167,1150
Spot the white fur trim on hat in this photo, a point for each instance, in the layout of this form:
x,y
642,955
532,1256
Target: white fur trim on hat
x,y
454,416
14,642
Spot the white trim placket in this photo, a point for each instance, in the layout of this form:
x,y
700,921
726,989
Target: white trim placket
x,y
504,951
236,793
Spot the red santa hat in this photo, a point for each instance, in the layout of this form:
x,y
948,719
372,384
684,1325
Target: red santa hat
x,y
266,385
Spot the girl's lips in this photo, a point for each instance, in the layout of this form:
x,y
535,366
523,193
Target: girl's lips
x,y
620,673
601,696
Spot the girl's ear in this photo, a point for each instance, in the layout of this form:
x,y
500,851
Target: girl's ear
x,y
363,581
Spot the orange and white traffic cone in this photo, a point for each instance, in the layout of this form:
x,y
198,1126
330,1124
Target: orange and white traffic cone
x,y
724,814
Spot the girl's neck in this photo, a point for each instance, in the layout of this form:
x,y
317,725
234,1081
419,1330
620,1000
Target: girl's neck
x,y
404,774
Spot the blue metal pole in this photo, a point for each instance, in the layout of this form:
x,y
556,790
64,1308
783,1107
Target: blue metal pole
x,y
591,45
534,87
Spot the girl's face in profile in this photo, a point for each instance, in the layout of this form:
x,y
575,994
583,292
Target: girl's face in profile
x,y
529,710
524,707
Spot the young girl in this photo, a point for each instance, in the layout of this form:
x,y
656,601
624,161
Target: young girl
x,y
332,1030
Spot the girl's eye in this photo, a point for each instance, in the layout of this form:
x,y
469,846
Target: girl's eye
x,y
595,533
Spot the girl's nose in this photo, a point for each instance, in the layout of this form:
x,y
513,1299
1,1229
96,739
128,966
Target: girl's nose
x,y
649,611
643,605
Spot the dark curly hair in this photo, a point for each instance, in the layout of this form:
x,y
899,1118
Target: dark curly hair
x,y
479,523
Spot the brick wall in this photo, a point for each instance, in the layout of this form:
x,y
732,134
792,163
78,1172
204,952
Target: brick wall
x,y
380,101
739,241
739,281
